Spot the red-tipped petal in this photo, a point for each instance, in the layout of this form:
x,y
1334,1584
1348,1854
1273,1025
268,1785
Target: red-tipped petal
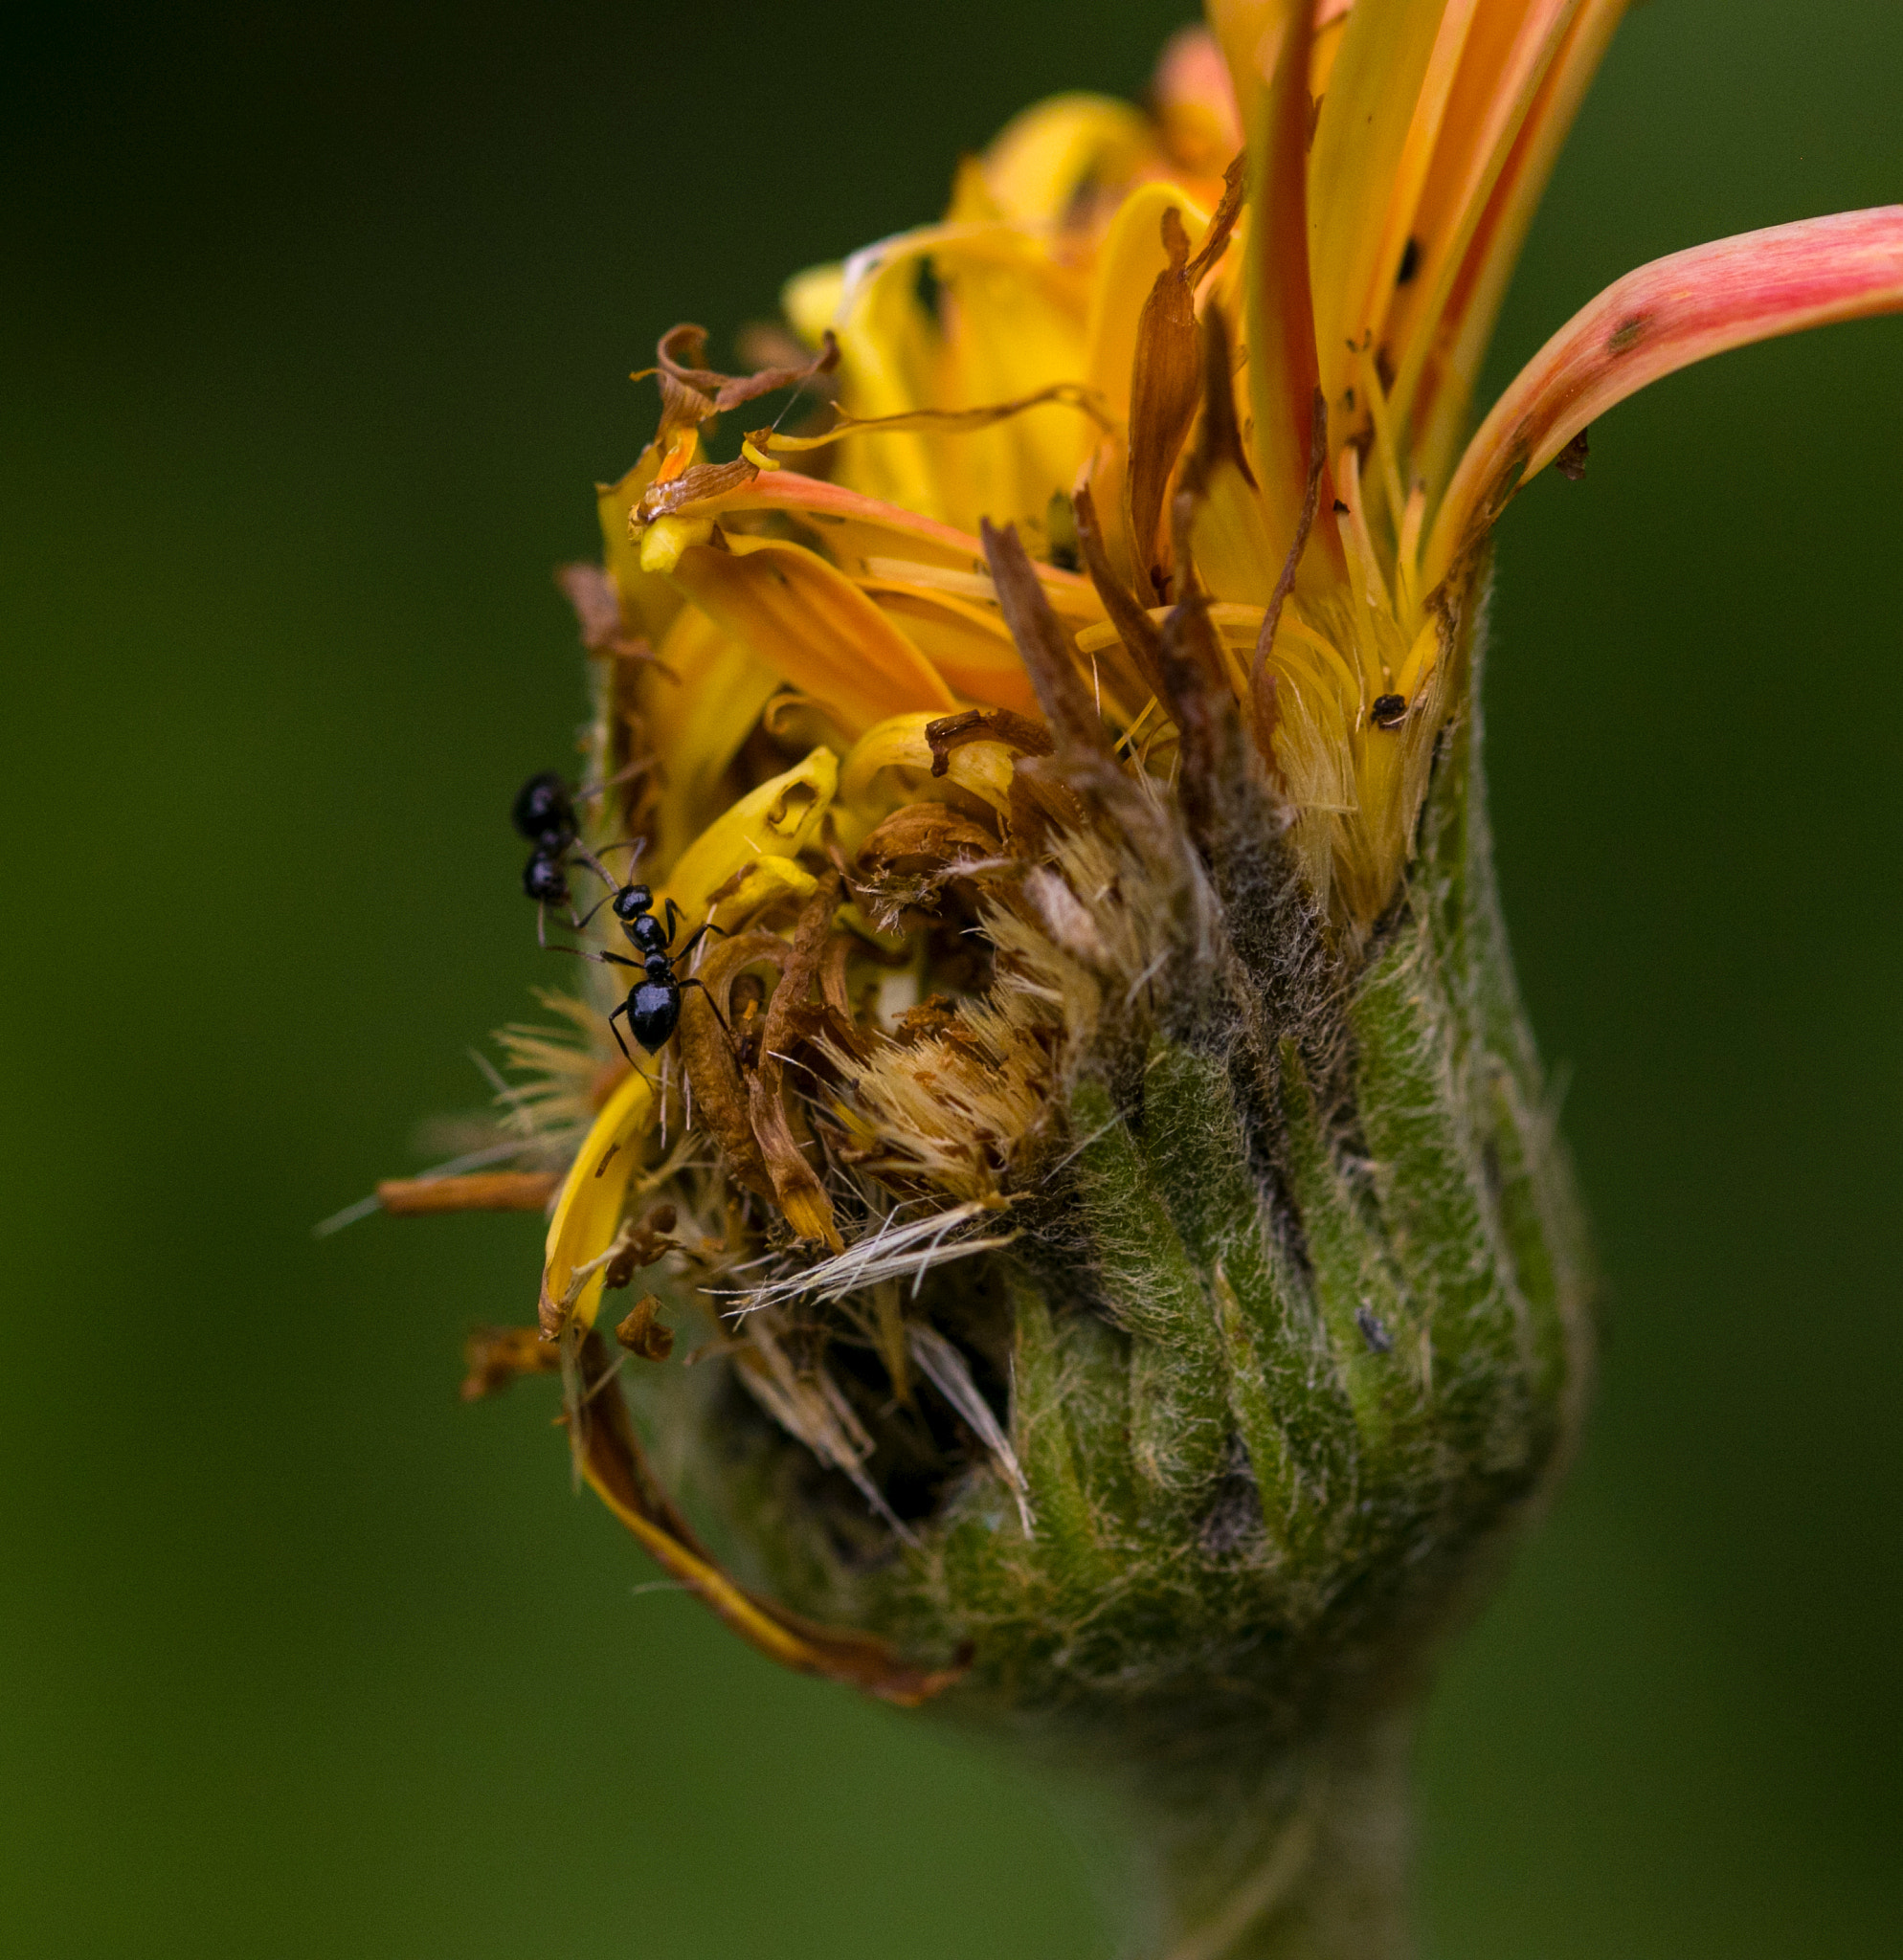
x,y
1656,321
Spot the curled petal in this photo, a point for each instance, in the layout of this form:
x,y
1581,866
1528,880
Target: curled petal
x,y
779,819
980,768
1068,394
590,1206
1656,321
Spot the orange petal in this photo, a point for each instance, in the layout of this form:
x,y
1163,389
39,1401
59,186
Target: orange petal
x,y
814,627
852,525
1438,412
1656,321
1195,100
1282,370
1504,62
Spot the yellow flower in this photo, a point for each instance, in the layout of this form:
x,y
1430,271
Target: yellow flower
x,y
1153,443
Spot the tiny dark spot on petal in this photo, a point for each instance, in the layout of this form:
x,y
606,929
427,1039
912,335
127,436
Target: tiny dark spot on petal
x,y
1628,334
1341,509
1389,711
1571,462
1410,263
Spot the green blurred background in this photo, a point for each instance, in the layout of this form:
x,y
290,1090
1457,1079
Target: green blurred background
x,y
315,329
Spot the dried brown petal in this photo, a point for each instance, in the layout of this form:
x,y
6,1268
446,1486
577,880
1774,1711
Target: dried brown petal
x,y
690,486
495,1357
642,1333
690,393
720,1097
1165,385
485,1191
1044,645
907,861
983,725
802,1197
1136,628
1216,240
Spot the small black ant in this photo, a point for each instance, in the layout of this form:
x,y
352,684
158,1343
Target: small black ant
x,y
545,816
544,813
653,1006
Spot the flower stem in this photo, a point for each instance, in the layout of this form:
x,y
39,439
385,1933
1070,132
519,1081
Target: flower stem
x,y
1308,1860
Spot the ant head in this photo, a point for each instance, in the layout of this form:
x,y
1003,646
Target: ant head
x,y
543,879
632,900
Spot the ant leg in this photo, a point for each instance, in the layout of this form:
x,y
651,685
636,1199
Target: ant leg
x,y
599,959
712,1004
673,919
616,1032
694,937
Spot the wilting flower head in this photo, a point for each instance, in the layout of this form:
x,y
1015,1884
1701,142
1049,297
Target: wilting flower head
x,y
1130,1267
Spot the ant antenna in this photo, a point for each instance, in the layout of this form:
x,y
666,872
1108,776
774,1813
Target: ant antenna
x,y
581,923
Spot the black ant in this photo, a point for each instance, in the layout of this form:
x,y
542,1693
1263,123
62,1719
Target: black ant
x,y
544,813
653,1006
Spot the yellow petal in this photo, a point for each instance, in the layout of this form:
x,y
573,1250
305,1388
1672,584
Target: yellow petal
x,y
780,818
814,627
971,647
696,715
588,1212
648,604
981,767
1358,212
762,883
1016,336
1033,168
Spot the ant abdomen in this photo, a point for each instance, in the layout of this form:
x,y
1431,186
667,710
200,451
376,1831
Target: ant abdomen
x,y
543,812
